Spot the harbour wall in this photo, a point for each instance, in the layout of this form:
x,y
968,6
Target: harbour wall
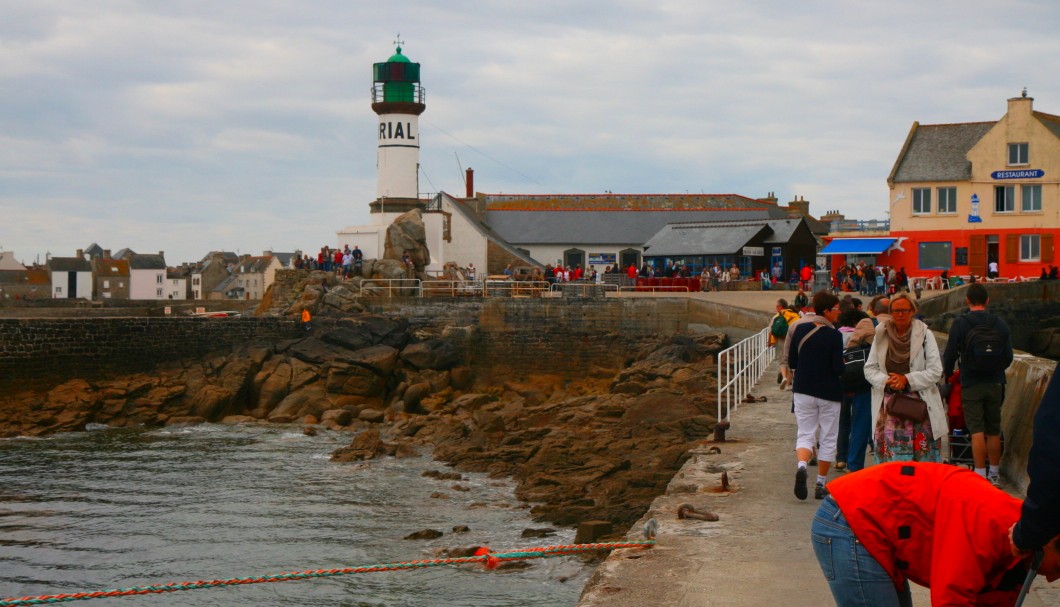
x,y
568,336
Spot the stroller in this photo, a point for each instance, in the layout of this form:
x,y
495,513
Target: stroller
x,y
960,450
960,440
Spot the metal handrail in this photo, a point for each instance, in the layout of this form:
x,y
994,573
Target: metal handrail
x,y
559,286
652,289
392,284
739,369
514,287
452,288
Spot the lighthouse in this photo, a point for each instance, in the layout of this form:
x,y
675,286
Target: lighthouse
x,y
398,100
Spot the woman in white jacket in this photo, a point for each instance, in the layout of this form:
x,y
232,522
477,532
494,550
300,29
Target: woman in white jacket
x,y
905,358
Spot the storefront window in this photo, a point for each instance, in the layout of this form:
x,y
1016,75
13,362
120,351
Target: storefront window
x,y
935,256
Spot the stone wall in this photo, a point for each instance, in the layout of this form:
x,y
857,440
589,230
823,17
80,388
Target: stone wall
x,y
568,336
1025,306
41,352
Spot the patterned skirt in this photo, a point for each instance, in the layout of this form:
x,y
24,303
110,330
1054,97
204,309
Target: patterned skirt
x,y
900,440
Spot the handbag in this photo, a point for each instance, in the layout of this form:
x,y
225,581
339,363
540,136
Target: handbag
x,y
906,405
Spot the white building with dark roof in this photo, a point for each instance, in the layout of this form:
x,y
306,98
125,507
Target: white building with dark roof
x,y
71,278
147,276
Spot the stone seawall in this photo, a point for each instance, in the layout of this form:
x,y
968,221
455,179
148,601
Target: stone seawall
x,y
559,335
40,352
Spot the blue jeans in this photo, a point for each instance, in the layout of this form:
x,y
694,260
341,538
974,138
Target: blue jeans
x,y
842,444
860,429
855,578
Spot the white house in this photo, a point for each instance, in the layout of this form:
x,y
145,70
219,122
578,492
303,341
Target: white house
x,y
147,276
71,278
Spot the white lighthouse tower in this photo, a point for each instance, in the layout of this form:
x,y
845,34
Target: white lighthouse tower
x,y
398,100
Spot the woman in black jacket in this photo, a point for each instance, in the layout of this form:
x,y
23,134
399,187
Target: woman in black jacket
x,y
816,356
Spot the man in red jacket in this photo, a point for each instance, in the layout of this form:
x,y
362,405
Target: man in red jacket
x,y
936,525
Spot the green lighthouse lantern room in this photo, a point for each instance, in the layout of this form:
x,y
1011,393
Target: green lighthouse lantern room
x,y
397,81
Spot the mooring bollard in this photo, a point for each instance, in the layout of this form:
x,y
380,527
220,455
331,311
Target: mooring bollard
x,y
719,431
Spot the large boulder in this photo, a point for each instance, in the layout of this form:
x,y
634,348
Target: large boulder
x,y
437,354
407,234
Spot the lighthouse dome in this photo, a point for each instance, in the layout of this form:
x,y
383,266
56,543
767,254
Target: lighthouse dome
x,y
397,57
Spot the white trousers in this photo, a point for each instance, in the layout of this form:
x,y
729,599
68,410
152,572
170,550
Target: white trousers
x,y
813,414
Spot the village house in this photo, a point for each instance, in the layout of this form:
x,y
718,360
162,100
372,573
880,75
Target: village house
x,y
70,278
147,275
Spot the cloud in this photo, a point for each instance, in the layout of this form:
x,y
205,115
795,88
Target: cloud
x,y
200,125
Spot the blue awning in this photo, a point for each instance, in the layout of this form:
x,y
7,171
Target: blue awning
x,y
857,246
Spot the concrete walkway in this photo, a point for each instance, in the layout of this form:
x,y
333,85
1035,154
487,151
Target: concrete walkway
x,y
758,552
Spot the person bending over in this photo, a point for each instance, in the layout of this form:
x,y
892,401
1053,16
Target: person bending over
x,y
935,525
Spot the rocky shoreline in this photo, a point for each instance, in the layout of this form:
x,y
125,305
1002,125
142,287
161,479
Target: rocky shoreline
x,y
600,446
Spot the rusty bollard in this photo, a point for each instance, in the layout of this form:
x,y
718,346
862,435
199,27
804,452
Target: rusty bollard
x,y
689,511
719,431
724,481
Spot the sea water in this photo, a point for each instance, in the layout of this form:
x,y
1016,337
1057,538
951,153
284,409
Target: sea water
x,y
120,508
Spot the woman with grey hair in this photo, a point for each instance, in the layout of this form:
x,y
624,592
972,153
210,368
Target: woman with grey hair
x,y
905,360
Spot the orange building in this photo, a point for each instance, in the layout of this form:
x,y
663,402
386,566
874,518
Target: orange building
x,y
965,195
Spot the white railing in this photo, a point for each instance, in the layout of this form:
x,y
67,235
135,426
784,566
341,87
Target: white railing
x,y
401,287
739,369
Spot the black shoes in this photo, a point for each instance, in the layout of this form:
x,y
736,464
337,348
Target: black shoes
x,y
800,484
820,492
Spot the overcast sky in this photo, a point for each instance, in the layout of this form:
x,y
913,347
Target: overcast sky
x,y
247,125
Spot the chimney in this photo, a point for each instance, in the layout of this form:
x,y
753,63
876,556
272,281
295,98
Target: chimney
x,y
1023,102
771,198
799,207
106,253
469,181
80,253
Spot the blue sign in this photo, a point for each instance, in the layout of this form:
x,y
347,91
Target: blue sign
x,y
1028,174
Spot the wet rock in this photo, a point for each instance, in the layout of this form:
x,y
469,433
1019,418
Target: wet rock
x,y
337,417
541,532
366,445
438,495
424,534
462,529
372,416
445,476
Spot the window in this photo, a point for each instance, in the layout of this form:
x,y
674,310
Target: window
x,y
1032,198
58,290
158,292
195,281
935,255
948,200
1004,198
1018,153
158,278
921,201
106,284
1030,247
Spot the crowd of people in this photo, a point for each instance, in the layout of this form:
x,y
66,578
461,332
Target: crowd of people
x,y
911,518
345,262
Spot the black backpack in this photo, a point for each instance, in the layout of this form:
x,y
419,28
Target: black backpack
x,y
854,367
984,348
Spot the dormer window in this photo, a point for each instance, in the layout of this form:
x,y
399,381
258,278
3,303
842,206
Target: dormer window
x,y
1018,153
